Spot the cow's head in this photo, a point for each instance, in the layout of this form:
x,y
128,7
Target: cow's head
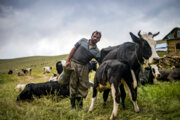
x,y
26,93
149,38
155,71
144,47
92,66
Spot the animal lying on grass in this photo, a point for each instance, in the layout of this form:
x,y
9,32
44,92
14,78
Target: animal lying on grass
x,y
149,75
170,74
39,89
47,88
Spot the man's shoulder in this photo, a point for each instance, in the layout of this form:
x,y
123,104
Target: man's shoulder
x,y
83,40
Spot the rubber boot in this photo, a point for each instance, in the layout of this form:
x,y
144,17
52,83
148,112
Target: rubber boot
x,y
73,105
80,102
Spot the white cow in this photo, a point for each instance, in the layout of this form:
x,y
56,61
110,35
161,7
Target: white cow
x,y
47,69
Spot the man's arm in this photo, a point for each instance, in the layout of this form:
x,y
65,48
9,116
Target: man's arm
x,y
70,56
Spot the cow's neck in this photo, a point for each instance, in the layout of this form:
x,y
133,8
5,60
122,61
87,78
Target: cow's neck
x,y
139,54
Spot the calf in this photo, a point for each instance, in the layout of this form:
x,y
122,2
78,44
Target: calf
x,y
170,74
47,69
27,71
112,74
149,75
46,88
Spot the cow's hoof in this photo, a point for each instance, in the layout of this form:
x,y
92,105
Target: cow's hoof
x,y
89,111
112,117
136,109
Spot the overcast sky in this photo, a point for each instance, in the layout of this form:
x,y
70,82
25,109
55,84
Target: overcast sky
x,y
52,27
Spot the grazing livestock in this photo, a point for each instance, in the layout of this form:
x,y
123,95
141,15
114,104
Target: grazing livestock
x,y
27,71
47,69
170,74
134,55
92,66
46,88
54,77
149,75
10,72
59,67
19,87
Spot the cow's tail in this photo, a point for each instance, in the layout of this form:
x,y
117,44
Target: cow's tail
x,y
134,79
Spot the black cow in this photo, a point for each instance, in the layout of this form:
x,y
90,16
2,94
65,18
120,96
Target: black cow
x,y
92,66
170,74
110,73
10,72
59,67
43,89
133,54
105,51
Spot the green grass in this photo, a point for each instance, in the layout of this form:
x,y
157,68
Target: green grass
x,y
157,102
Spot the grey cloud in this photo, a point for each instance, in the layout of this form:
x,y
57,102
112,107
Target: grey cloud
x,y
29,26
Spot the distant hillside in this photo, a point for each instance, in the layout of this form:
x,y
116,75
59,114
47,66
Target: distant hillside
x,y
37,62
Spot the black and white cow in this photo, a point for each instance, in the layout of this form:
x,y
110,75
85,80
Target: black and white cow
x,y
59,67
108,75
47,69
148,37
46,88
27,71
134,55
149,75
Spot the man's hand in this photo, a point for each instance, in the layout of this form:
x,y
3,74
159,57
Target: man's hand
x,y
68,64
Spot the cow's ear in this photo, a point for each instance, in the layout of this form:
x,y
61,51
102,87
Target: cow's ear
x,y
134,38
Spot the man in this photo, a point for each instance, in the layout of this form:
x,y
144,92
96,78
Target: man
x,y
80,55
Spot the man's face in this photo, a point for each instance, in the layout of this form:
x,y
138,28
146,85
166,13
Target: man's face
x,y
96,37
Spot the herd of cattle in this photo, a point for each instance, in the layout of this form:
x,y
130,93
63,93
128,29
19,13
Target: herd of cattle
x,y
127,65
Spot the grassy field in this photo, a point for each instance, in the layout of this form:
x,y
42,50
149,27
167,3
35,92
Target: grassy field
x,y
157,102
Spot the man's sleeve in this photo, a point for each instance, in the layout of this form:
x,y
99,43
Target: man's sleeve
x,y
78,43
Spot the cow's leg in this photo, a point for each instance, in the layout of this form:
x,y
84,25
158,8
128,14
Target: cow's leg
x,y
105,95
123,95
116,100
93,99
133,95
